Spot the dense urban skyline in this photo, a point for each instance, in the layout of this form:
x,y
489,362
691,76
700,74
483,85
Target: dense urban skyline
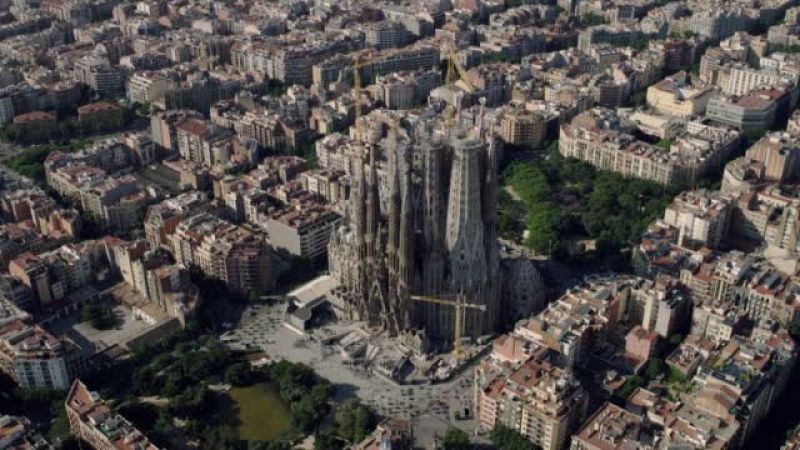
x,y
395,225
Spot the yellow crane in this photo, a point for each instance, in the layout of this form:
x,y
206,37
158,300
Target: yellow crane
x,y
358,63
459,303
456,71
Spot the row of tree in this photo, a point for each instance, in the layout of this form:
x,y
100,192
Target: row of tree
x,y
567,199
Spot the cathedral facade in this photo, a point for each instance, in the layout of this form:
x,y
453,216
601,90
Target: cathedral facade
x,y
433,234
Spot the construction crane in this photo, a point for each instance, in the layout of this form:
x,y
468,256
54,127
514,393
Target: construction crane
x,y
456,71
357,65
459,303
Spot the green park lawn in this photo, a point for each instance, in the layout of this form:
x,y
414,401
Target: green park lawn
x,y
263,415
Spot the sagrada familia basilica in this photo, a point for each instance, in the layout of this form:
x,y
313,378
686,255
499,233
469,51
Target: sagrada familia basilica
x,y
428,228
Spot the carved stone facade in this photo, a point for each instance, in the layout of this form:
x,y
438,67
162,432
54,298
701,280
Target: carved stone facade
x,y
434,235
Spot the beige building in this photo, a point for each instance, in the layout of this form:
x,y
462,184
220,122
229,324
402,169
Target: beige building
x,y
163,126
542,402
224,251
610,428
204,143
303,231
93,421
779,152
675,96
701,217
521,127
35,359
598,137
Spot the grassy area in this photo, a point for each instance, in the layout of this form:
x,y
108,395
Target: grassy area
x,y
263,415
567,201
30,162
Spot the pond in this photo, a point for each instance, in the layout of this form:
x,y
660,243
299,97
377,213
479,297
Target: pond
x,y
262,414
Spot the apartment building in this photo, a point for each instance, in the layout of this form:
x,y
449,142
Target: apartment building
x,y
303,230
32,272
148,86
93,421
162,218
163,126
204,143
17,432
739,79
532,396
597,137
35,359
225,252
266,128
610,428
780,155
386,34
768,215
676,96
701,217
521,127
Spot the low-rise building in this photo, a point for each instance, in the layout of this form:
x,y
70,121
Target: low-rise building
x,y
610,428
677,97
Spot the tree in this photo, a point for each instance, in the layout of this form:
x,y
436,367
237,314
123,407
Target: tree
x,y
676,339
9,133
456,439
543,227
505,438
238,374
327,441
655,368
592,19
100,316
304,415
143,415
59,427
364,423
192,403
354,421
631,384
638,98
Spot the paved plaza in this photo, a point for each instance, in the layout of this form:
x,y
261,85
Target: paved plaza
x,y
91,340
262,327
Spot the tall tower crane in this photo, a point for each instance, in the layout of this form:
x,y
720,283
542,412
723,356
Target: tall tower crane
x,y
456,71
358,63
459,303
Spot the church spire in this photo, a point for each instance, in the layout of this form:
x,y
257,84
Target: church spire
x,y
373,214
405,253
393,240
356,202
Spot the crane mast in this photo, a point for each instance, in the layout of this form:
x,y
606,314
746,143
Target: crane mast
x,y
459,304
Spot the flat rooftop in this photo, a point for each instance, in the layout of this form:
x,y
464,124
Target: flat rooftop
x,y
314,289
